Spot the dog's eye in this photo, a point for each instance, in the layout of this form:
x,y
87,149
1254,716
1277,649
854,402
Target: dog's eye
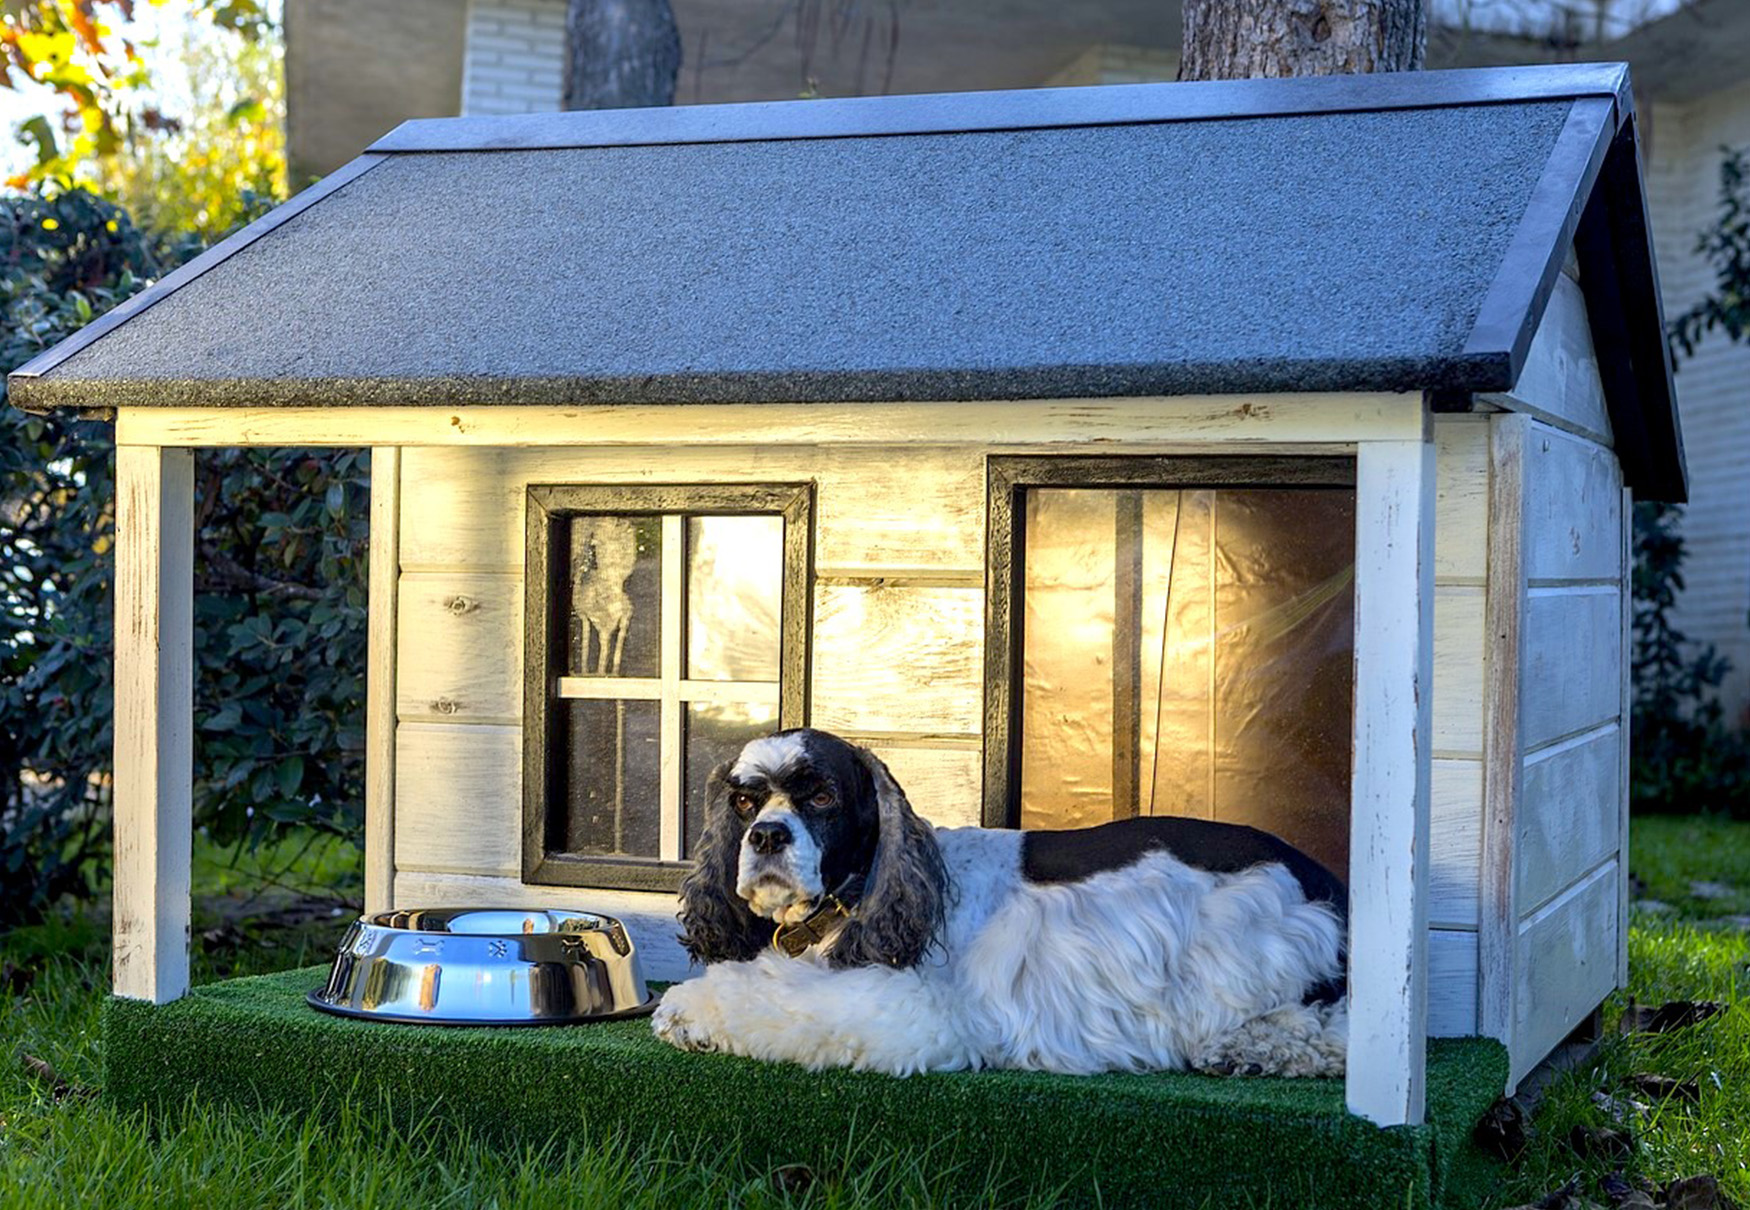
x,y
741,802
822,798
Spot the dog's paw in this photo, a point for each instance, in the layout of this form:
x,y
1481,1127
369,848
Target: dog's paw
x,y
676,1025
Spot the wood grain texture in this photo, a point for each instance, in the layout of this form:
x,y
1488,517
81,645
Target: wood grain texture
x,y
1567,965
942,784
918,510
1389,819
1625,721
380,682
1452,984
1460,648
898,659
1570,815
458,800
1503,728
648,916
1573,509
1559,383
1454,842
1461,499
154,721
1573,662
1188,420
461,645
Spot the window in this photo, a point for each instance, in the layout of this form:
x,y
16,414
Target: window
x,y
666,626
1172,637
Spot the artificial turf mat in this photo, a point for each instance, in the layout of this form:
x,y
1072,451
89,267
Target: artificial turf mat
x,y
1157,1140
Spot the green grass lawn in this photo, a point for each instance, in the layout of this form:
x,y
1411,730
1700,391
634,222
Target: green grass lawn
x,y
60,1146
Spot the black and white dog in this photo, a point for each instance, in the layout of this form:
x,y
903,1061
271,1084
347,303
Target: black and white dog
x,y
841,930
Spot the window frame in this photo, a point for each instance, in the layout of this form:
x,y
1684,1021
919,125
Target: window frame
x,y
545,632
1008,479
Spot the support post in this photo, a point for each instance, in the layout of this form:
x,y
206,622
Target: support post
x,y
154,720
1388,845
385,578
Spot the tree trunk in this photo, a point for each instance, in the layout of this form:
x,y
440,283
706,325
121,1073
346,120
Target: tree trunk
x,y
1236,39
620,54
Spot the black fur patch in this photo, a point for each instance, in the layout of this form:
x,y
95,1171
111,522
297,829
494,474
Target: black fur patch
x,y
1203,844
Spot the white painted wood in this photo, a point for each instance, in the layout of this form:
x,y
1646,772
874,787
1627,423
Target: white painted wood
x,y
898,659
461,645
1454,841
154,720
1573,669
1559,384
1573,509
380,686
1460,648
1191,420
1567,965
1389,823
1461,500
458,801
649,917
944,785
1503,727
465,504
672,788
1570,816
1452,983
1626,724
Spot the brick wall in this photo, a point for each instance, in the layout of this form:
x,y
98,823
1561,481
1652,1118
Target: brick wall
x,y
515,56
1713,387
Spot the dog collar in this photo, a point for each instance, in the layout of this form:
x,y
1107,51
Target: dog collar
x,y
793,940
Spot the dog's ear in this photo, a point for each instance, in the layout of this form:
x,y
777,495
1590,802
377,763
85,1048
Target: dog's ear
x,y
716,923
906,894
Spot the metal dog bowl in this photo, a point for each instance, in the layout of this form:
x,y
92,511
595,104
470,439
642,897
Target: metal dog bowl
x,y
485,966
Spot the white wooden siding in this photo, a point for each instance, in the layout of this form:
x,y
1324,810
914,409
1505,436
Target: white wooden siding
x,y
1554,840
899,539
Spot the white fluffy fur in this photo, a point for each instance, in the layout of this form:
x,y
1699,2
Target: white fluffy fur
x,y
1152,966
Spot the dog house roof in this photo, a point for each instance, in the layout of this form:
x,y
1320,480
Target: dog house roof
x,y
1354,233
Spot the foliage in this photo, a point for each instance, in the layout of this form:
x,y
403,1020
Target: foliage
x,y
1685,754
1726,249
279,611
1684,757
73,48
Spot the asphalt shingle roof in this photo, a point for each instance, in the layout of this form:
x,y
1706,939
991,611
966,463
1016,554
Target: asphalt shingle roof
x,y
1387,233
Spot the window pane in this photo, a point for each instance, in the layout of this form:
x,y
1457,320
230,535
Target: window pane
x,y
612,771
735,581
615,584
716,733
1189,653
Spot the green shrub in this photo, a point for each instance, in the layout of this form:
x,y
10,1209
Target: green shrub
x,y
279,606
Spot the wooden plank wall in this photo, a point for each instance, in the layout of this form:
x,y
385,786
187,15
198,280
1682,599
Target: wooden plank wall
x,y
899,542
1559,832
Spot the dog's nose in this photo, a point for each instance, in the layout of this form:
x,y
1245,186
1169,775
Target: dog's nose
x,y
769,837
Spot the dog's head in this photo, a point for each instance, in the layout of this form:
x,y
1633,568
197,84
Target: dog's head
x,y
798,816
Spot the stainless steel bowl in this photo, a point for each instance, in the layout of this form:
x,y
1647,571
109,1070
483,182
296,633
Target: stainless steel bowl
x,y
485,966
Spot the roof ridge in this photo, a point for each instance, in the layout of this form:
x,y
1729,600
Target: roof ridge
x,y
1015,109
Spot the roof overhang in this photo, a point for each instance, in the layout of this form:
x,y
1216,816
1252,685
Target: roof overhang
x,y
1388,232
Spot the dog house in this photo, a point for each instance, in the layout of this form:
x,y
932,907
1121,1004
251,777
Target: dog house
x,y
1256,450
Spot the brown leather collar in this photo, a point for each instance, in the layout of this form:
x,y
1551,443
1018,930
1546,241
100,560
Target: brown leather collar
x,y
793,940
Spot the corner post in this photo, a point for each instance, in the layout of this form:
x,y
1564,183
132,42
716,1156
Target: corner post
x,y
154,719
380,721
1388,830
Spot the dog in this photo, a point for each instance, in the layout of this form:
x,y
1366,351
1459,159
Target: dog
x,y
839,929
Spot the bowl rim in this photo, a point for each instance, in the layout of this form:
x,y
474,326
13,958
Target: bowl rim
x,y
314,999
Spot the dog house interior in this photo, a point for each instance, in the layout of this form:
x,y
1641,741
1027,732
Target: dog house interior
x,y
1256,451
